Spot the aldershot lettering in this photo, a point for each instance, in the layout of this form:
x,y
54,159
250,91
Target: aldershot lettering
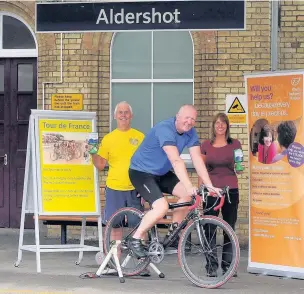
x,y
137,17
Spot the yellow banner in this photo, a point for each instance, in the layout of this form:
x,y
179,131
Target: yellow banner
x,y
67,173
275,115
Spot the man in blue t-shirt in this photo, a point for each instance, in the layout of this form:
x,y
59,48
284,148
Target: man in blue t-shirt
x,y
151,175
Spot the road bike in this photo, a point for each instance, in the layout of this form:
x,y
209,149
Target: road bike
x,y
203,241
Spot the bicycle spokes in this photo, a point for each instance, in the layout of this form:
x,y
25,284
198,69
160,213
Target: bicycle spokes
x,y
210,252
122,226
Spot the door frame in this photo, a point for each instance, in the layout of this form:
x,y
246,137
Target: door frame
x,y
5,215
15,153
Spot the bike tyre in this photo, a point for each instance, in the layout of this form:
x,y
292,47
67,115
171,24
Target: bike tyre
x,y
107,241
216,283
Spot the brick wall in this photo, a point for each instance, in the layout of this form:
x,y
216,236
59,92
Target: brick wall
x,y
291,35
225,57
221,60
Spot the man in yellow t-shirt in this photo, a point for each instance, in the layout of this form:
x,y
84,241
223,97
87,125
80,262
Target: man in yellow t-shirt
x,y
116,149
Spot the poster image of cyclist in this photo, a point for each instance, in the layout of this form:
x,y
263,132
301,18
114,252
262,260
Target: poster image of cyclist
x,y
65,148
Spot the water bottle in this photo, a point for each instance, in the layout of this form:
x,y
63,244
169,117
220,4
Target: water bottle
x,y
238,159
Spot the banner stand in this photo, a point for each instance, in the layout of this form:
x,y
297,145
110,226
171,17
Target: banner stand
x,y
276,173
33,200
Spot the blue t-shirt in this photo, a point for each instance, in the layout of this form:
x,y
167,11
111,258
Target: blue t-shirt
x,y
150,156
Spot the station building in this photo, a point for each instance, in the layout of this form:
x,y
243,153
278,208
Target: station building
x,y
156,72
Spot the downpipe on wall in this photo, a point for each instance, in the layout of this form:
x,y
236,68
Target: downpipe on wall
x,y
275,27
61,74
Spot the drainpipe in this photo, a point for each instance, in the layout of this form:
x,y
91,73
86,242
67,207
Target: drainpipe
x,y
58,82
274,33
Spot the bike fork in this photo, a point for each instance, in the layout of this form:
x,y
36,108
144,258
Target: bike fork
x,y
202,237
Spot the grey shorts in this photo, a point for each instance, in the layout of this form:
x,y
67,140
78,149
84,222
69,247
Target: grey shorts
x,y
118,199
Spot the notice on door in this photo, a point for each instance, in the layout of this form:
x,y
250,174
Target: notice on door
x,y
67,102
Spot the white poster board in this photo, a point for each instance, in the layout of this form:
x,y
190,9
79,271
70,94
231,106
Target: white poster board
x,y
60,178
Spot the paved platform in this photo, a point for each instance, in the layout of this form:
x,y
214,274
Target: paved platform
x,y
61,275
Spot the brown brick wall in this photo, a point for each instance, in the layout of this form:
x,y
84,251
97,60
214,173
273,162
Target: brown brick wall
x,y
292,35
221,60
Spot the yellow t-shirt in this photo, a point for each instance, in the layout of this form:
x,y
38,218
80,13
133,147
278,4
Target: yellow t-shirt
x,y
117,148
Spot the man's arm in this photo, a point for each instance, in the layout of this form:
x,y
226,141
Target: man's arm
x,y
199,165
99,162
178,166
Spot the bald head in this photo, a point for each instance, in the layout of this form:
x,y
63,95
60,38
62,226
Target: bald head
x,y
185,118
187,108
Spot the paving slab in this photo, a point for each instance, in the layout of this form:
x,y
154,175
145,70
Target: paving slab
x,y
61,275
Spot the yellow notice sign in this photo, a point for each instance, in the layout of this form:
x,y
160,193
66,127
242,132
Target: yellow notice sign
x,y
237,109
237,118
67,102
67,172
236,106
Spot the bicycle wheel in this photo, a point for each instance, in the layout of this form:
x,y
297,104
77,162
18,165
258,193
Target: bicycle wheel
x,y
121,226
220,243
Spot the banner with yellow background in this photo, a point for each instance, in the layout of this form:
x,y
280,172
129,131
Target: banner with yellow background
x,y
67,172
276,156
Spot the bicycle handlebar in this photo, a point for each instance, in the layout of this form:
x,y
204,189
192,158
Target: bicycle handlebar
x,y
203,191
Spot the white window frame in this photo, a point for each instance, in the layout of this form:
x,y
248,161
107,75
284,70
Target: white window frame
x,y
151,81
13,53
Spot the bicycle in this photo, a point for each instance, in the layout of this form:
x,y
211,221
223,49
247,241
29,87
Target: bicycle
x,y
193,223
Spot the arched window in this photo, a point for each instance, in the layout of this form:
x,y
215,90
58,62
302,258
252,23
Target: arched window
x,y
153,71
16,38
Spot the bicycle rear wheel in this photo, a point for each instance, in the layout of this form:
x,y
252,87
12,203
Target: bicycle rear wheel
x,y
121,226
201,262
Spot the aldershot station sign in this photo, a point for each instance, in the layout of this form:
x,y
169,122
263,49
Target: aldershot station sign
x,y
139,16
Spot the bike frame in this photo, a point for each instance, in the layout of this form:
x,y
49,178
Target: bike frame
x,y
193,215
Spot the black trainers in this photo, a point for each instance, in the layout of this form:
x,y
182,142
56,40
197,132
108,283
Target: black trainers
x,y
211,273
225,269
137,247
145,273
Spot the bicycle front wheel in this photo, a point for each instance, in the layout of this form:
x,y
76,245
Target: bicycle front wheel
x,y
122,225
209,252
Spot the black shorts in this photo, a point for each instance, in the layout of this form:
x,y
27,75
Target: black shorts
x,y
152,187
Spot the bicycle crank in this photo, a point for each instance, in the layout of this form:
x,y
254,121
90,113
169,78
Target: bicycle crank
x,y
156,252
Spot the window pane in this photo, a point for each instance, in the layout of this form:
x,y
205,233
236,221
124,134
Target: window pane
x,y
1,78
131,55
25,77
139,97
173,55
168,98
16,35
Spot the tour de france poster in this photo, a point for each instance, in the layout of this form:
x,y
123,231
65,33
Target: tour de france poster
x,y
67,172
